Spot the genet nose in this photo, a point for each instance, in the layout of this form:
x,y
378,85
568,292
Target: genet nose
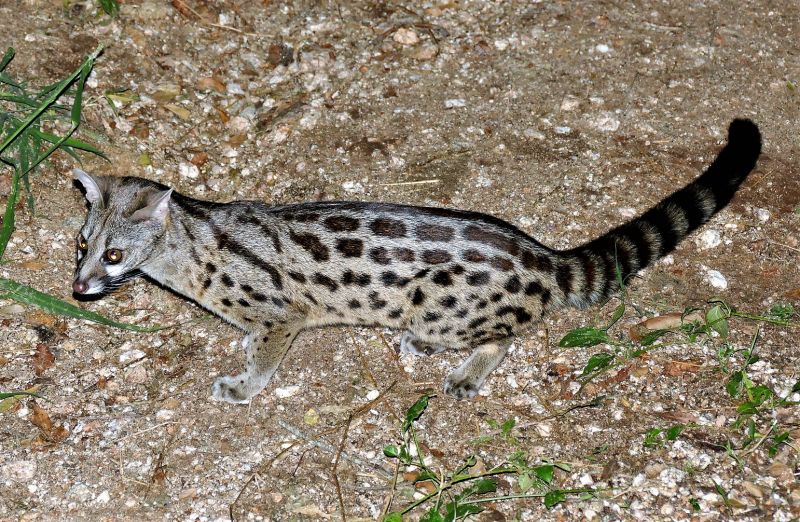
x,y
79,287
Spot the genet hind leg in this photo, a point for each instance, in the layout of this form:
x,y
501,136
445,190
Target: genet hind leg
x,y
410,343
467,379
265,351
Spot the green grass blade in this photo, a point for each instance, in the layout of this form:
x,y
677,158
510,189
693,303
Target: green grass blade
x,y
71,142
7,57
82,71
8,395
27,295
8,216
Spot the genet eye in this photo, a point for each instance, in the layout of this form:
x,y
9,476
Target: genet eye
x,y
113,256
82,244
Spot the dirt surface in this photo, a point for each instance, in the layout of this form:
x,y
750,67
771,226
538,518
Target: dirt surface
x,y
564,118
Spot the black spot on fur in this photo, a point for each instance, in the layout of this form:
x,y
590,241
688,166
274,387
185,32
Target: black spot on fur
x,y
430,232
311,244
490,237
322,279
404,254
436,257
297,276
211,267
533,261
341,224
243,302
354,304
483,303
350,247
380,255
478,278
448,301
278,302
310,298
502,263
388,227
462,313
456,269
226,302
258,296
442,278
519,313
534,287
564,277
351,278
430,317
226,280
375,301
477,322
206,283
473,256
496,297
396,313
513,285
418,298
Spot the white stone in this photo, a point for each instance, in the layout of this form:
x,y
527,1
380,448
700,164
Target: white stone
x,y
605,122
405,36
716,279
165,415
19,471
544,430
372,395
586,480
287,391
533,134
602,48
454,103
708,239
234,88
762,215
570,103
188,170
103,497
563,130
130,356
352,186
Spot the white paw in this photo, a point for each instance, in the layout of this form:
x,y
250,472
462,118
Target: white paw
x,y
410,343
230,389
461,387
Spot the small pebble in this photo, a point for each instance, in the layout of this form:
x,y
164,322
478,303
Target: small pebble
x,y
762,215
287,391
716,279
188,170
708,239
405,36
372,395
455,102
602,48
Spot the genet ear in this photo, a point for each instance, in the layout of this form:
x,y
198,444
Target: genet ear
x,y
157,207
93,185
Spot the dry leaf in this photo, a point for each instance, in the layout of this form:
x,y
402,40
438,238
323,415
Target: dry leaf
x,y
199,159
670,321
793,294
211,83
40,418
678,368
179,111
39,318
33,265
43,359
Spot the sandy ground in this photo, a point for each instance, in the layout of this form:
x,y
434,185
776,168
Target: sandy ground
x,y
564,118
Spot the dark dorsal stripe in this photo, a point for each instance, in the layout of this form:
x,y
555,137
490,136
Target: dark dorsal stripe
x,y
225,242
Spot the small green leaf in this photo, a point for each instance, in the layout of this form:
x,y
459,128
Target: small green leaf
x,y
747,408
415,411
652,437
544,473
734,385
618,313
674,432
485,486
553,498
694,503
391,451
598,362
507,426
454,511
760,394
796,387
525,482
777,443
717,319
584,337
652,337
432,516
394,516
